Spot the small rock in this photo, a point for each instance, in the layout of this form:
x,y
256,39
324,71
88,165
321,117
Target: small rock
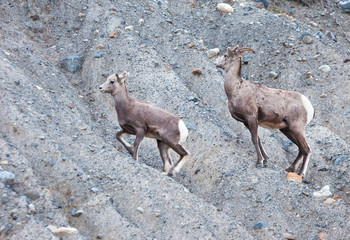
x,y
72,63
273,75
35,17
213,52
307,39
4,162
324,68
260,225
191,126
140,209
32,208
191,45
324,192
224,7
79,213
129,28
339,160
294,177
197,171
323,95
17,82
196,71
50,216
100,235
309,74
288,236
322,236
94,189
113,34
32,194
344,5
62,231
71,105
99,55
231,2
74,212
7,177
332,36
141,21
329,201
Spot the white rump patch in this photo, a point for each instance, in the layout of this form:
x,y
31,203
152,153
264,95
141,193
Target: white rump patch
x,y
309,108
183,131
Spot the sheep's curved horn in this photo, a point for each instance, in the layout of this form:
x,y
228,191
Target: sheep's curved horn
x,y
234,48
246,49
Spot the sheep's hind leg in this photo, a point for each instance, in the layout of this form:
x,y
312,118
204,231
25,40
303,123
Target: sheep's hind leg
x,y
291,137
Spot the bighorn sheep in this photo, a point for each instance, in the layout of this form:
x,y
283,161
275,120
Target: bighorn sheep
x,y
256,105
140,119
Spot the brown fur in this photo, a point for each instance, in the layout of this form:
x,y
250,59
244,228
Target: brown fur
x,y
141,119
257,105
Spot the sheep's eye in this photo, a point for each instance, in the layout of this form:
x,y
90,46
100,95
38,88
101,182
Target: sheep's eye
x,y
111,82
225,55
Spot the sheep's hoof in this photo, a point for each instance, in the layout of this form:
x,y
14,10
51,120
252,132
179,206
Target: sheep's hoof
x,y
259,165
265,164
290,169
165,173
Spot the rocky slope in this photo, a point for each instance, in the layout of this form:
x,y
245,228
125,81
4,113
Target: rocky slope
x,y
61,165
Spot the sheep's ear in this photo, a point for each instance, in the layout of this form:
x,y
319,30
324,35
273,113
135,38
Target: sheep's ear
x,y
230,52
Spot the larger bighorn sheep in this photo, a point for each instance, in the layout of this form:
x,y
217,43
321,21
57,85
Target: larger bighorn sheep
x,y
256,105
140,119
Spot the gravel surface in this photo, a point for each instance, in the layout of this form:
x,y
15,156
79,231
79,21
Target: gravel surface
x,y
63,173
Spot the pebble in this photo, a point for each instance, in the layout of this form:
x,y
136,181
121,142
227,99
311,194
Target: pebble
x,y
62,231
129,28
191,126
94,189
324,68
339,160
7,177
344,5
307,39
294,177
273,75
140,209
329,201
196,71
79,213
32,208
72,63
324,192
141,21
309,74
113,34
100,235
332,36
99,55
322,236
191,45
224,7
288,236
213,52
260,225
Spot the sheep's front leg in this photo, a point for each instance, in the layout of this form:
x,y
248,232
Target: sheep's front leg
x,y
266,157
252,125
125,143
140,134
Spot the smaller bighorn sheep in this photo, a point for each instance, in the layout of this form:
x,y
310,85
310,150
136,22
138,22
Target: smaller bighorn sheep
x,y
140,119
256,105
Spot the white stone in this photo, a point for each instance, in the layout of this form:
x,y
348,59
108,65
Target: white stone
x,y
213,52
224,7
324,68
324,192
129,28
62,231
